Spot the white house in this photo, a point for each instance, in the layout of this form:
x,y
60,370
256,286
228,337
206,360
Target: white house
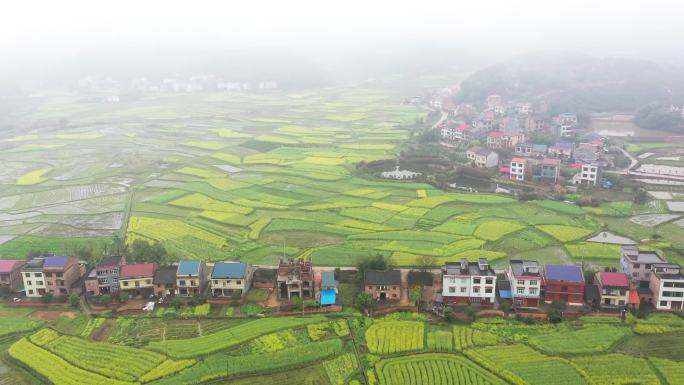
x,y
518,169
590,174
482,157
468,282
525,280
33,277
667,285
400,174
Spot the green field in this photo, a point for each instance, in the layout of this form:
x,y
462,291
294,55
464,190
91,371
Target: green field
x,y
341,349
239,175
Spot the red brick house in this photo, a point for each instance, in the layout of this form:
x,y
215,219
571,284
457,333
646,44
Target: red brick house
x,y
564,283
10,274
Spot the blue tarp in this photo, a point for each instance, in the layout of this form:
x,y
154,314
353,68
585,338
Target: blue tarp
x,y
328,297
506,294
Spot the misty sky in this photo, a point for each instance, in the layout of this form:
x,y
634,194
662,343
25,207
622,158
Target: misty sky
x,y
74,25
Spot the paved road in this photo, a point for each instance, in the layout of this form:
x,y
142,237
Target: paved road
x,y
633,163
444,116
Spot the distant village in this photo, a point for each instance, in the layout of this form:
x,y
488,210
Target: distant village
x,y
499,136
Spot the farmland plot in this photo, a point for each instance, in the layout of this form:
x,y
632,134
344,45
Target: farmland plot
x,y
433,368
386,337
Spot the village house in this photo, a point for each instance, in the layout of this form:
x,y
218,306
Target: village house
x,y
328,288
590,174
10,274
504,140
667,285
564,283
531,149
60,273
523,108
586,153
562,150
91,285
229,277
567,119
550,169
33,279
383,285
295,278
482,157
136,279
455,132
468,282
613,288
493,100
520,169
164,281
191,277
525,279
107,272
637,264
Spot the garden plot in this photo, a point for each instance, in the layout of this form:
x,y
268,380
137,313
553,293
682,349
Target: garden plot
x,y
608,237
76,193
661,169
106,221
652,220
675,206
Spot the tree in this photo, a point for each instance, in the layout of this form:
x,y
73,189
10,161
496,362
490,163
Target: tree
x,y
118,245
469,311
176,303
106,299
47,298
505,306
377,262
426,262
236,296
589,276
74,300
143,251
556,311
641,196
449,314
364,301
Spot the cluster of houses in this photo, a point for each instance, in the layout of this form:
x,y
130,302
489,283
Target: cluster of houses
x,y
644,277
502,130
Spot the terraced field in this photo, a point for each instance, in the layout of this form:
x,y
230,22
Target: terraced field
x,y
241,175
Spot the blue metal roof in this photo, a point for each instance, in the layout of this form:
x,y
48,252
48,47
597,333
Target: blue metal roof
x,y
233,270
506,294
328,297
55,261
563,273
327,279
188,268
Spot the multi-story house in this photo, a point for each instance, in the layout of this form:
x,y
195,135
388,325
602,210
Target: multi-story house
x,y
562,150
550,169
328,288
383,285
107,272
191,278
667,285
10,273
136,279
525,279
457,132
229,277
60,273
33,278
637,264
493,101
567,118
520,169
564,283
500,139
531,150
590,174
468,282
295,278
164,281
613,288
482,157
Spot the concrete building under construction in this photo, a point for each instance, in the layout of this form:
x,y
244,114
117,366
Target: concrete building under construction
x,y
295,279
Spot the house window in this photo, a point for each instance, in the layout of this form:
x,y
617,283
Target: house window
x,y
239,282
181,283
192,283
488,290
463,290
521,282
636,265
663,303
60,275
30,292
476,280
216,282
533,282
533,291
28,283
635,274
564,288
370,287
520,290
39,283
125,283
489,281
647,267
621,303
37,274
394,288
476,290
27,275
148,281
452,289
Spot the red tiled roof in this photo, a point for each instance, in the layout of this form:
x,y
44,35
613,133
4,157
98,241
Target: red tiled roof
x,y
137,270
551,162
463,127
496,134
6,266
613,279
633,298
519,160
504,170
